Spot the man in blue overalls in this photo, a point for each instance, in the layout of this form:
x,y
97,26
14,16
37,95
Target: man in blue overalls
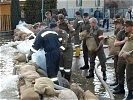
x,y
48,40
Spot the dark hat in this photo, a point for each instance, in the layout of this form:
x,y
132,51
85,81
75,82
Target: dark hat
x,y
128,23
85,14
119,20
77,13
53,25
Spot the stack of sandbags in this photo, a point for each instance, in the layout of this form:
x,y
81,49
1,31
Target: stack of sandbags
x,y
45,87
109,40
128,47
28,75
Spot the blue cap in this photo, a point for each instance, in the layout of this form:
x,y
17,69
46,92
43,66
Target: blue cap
x,y
53,24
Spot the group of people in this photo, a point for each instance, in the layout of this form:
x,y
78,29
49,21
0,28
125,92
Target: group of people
x,y
55,35
123,30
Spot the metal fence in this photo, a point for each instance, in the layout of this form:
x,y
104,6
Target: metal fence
x,y
5,23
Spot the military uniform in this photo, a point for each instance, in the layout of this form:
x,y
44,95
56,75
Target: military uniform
x,y
116,31
48,21
100,53
129,71
85,26
121,65
77,25
129,78
67,57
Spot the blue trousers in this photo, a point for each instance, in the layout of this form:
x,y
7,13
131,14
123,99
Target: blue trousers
x,y
52,63
106,21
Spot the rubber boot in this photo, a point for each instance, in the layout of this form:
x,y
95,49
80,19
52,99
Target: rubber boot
x,y
104,76
91,74
130,95
68,76
62,72
77,52
119,89
84,67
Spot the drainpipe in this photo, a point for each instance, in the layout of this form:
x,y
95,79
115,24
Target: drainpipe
x,y
42,9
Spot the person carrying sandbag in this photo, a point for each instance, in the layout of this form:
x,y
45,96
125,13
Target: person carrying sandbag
x,y
99,51
122,37
129,65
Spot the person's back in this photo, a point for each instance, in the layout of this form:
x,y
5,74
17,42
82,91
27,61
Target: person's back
x,y
48,39
97,16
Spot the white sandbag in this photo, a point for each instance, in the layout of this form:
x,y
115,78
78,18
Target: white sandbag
x,y
25,46
39,59
23,28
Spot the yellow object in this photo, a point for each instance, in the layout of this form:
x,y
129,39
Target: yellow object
x,y
77,52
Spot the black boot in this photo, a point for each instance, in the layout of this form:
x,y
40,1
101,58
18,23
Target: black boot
x,y
104,76
62,73
91,74
119,89
68,76
130,95
84,67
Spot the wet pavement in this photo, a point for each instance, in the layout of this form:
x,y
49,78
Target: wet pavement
x,y
78,76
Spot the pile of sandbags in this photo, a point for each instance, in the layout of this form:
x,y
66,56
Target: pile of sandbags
x,y
20,35
23,31
32,86
128,47
109,40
